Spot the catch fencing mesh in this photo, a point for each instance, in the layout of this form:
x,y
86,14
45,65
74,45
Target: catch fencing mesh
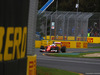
x,y
66,23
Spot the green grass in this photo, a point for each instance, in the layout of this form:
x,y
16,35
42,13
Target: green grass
x,y
52,71
74,56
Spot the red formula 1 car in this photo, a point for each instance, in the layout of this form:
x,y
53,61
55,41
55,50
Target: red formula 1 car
x,y
54,48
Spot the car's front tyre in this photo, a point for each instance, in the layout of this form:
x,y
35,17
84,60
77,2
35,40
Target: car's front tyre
x,y
57,48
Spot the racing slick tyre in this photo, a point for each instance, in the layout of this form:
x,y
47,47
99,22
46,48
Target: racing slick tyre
x,y
57,48
42,47
63,49
46,47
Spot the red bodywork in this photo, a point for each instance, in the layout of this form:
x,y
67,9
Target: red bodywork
x,y
52,48
49,48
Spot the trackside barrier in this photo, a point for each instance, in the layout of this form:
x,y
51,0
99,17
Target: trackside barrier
x,y
93,39
72,38
68,44
31,57
31,65
37,44
81,38
61,38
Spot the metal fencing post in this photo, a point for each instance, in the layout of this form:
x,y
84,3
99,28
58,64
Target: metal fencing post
x,y
59,25
52,18
87,18
47,13
64,25
68,26
46,28
32,27
80,17
50,27
76,25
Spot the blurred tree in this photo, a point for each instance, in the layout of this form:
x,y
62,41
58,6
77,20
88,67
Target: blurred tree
x,y
40,19
69,5
87,5
97,4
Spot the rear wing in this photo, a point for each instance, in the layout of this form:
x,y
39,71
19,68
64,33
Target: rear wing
x,y
59,44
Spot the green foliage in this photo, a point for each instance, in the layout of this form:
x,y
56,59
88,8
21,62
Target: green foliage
x,y
40,19
42,34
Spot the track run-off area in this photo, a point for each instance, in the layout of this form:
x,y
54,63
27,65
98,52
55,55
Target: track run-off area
x,y
87,66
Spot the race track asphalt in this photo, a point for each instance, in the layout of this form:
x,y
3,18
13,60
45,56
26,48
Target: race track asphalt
x,y
81,65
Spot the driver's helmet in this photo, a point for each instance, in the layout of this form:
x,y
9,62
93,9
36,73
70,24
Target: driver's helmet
x,y
53,45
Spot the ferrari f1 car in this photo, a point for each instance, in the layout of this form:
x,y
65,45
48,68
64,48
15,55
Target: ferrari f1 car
x,y
54,48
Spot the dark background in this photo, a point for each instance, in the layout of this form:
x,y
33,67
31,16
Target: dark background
x,y
13,13
69,5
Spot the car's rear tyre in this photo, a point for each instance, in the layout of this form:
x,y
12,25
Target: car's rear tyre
x,y
57,48
63,49
42,47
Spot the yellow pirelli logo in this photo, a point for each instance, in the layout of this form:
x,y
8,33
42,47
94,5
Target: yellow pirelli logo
x,y
31,65
18,43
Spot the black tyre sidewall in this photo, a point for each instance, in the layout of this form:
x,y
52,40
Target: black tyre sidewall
x,y
63,49
42,47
